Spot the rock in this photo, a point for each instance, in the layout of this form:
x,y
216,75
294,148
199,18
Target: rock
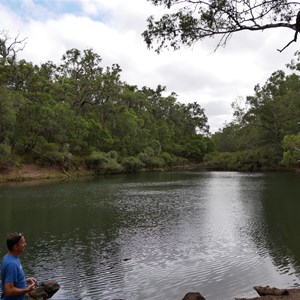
x,y
51,287
193,296
268,293
43,291
264,291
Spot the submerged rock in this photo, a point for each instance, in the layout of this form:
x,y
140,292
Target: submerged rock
x,y
43,291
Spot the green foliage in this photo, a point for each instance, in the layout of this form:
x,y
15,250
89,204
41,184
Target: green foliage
x,y
275,107
238,137
246,160
131,164
98,137
150,159
8,113
196,147
5,156
103,163
169,159
52,154
291,146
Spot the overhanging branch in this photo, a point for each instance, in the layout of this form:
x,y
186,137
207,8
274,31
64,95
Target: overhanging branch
x,y
297,28
214,18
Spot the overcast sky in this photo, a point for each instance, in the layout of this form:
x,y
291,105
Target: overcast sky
x,y
112,28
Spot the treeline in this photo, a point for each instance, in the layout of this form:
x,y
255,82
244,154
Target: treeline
x,y
265,132
79,113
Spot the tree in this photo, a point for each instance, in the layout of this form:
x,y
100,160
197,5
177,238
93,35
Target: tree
x,y
275,107
190,21
198,118
85,81
8,56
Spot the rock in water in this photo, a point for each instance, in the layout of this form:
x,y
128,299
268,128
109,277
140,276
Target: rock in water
x,y
45,290
193,296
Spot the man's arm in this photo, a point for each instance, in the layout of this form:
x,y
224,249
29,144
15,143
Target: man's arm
x,y
11,290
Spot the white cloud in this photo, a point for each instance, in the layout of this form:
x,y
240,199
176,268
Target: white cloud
x,y
91,7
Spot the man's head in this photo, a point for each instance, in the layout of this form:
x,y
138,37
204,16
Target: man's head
x,y
16,242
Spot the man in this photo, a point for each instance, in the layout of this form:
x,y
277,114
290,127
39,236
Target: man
x,y
14,284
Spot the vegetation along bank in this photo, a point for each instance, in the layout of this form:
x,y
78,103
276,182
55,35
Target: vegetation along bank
x,y
79,117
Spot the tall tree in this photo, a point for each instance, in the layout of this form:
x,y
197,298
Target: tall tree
x,y
85,81
190,21
275,107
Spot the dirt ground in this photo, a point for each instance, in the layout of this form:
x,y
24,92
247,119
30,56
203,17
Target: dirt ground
x,y
29,172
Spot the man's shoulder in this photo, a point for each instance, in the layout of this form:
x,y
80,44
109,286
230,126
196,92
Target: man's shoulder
x,y
10,259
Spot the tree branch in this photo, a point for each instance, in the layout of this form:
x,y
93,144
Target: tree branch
x,y
297,26
214,18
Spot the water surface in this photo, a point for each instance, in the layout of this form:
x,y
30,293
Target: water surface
x,y
159,235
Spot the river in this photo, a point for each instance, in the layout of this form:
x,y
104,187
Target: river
x,y
158,235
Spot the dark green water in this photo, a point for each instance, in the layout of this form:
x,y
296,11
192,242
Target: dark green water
x,y
159,235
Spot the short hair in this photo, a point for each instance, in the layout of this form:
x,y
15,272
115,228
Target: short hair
x,y
13,239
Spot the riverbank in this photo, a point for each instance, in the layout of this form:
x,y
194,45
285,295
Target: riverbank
x,y
32,172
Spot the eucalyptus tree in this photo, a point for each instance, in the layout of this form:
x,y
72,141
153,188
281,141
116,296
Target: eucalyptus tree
x,y
190,21
275,107
143,112
85,81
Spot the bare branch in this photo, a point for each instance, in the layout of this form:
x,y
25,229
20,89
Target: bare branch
x,y
10,49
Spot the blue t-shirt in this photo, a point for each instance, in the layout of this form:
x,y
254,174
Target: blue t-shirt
x,y
12,271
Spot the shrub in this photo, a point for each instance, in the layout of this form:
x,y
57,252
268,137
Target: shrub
x,y
103,163
53,154
170,160
247,160
5,156
149,159
291,146
131,164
